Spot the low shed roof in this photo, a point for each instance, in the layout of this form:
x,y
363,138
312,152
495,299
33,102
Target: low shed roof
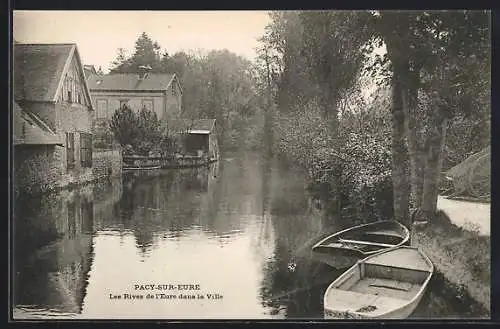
x,y
29,129
196,126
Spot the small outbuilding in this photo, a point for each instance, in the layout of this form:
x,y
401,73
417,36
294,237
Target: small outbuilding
x,y
199,136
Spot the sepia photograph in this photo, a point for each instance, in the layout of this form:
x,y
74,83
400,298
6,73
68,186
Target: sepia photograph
x,y
251,165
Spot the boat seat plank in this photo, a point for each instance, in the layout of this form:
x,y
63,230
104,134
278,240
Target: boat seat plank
x,y
369,243
352,301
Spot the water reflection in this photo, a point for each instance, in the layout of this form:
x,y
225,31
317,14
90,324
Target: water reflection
x,y
53,251
293,278
187,226
242,228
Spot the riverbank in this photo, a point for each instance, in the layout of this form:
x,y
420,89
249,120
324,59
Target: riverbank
x,y
469,215
462,260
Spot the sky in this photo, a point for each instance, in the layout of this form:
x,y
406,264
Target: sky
x,y
99,34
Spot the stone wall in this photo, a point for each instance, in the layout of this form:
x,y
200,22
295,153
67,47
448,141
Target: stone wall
x,y
37,168
41,168
106,163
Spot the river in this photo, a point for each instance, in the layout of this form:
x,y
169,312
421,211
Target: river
x,y
231,241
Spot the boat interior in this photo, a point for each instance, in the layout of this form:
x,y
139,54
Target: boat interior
x,y
368,241
375,286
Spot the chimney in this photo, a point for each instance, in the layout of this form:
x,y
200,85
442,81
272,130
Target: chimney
x,y
144,71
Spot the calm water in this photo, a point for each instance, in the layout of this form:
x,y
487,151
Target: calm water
x,y
240,232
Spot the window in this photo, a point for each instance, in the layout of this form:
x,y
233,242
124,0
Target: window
x,y
102,108
86,150
148,104
123,102
70,150
70,90
173,89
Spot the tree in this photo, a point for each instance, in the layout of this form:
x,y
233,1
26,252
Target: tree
x,y
333,54
149,132
177,63
461,70
437,65
334,57
146,52
429,52
121,63
123,124
394,28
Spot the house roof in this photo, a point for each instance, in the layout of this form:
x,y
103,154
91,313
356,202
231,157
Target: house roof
x,y
196,126
131,82
29,129
39,70
89,70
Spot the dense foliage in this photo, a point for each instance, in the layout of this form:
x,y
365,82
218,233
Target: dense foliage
x,y
432,69
358,99
141,133
216,85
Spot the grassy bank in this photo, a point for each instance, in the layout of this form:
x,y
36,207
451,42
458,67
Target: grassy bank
x,y
463,263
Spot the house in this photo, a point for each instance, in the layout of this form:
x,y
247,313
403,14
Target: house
x,y
199,136
161,93
52,114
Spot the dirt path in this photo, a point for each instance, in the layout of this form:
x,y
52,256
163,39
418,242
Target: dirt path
x,y
467,214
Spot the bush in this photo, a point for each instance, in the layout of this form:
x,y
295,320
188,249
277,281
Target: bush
x,y
141,133
124,125
102,136
361,157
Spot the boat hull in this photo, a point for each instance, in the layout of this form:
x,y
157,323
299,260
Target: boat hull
x,y
399,314
338,260
386,285
346,247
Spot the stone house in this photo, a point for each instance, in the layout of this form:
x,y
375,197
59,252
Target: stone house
x,y
52,114
161,93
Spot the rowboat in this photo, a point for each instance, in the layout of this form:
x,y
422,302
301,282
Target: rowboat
x,y
387,285
343,249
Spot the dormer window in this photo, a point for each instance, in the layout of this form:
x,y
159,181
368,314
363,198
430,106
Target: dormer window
x,y
173,89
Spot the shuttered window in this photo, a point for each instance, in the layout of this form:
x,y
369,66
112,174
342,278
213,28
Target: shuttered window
x,y
86,150
70,150
123,102
102,108
147,104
